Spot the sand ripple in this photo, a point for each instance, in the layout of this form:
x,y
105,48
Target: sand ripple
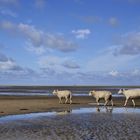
x,y
89,126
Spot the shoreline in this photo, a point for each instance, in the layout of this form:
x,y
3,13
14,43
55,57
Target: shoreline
x,y
12,105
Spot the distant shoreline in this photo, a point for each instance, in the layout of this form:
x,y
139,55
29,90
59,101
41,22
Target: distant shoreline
x,y
48,89
94,86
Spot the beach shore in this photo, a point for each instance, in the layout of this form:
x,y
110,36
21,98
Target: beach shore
x,y
10,105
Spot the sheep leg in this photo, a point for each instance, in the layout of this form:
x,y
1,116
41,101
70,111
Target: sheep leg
x,y
133,102
70,99
110,99
126,102
97,101
60,100
66,100
106,102
111,102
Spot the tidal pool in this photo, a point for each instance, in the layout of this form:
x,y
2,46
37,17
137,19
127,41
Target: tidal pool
x,y
125,110
73,124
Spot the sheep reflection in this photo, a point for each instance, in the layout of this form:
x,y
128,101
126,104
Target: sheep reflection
x,y
64,112
104,109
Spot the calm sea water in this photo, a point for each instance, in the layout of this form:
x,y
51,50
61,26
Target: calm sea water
x,y
47,90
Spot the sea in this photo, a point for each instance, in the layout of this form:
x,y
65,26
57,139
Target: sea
x,y
47,90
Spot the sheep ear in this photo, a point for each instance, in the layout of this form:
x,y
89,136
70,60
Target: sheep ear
x,y
123,89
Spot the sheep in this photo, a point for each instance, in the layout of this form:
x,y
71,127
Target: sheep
x,y
63,94
106,95
130,94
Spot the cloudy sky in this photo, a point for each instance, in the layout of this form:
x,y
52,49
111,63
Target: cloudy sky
x,y
70,42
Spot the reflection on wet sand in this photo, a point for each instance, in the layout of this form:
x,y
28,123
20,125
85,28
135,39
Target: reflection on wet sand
x,y
64,112
104,109
98,109
82,110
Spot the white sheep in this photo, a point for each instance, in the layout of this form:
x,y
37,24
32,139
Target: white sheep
x,y
63,94
130,94
106,95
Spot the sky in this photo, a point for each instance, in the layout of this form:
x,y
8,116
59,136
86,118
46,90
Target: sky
x,y
70,42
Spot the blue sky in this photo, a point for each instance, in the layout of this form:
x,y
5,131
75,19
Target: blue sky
x,y
70,42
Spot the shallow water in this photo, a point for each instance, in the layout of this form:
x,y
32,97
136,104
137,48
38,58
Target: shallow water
x,y
73,124
114,110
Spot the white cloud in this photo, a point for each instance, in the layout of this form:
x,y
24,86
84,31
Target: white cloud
x,y
107,61
47,61
129,44
58,64
30,32
6,25
8,64
81,33
10,70
54,71
37,50
71,64
114,73
136,72
7,12
39,38
113,21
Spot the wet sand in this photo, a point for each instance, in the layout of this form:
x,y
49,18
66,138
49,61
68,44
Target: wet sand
x,y
81,126
28,104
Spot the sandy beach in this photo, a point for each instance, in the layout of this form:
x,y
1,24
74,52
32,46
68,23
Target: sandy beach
x,y
28,104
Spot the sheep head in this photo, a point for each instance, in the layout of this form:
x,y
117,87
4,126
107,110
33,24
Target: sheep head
x,y
121,91
91,92
54,92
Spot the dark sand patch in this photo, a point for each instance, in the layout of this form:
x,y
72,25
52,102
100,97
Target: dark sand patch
x,y
22,109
